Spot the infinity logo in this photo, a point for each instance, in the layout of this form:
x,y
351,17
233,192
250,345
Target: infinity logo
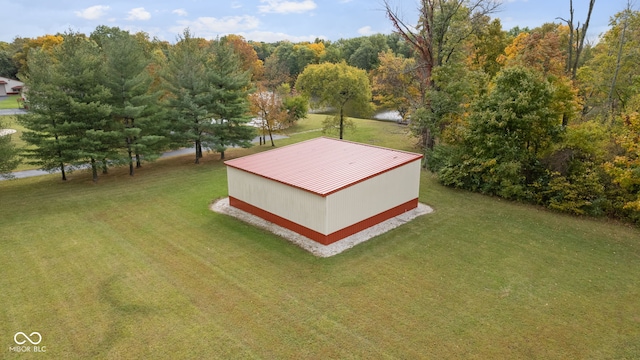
x,y
28,338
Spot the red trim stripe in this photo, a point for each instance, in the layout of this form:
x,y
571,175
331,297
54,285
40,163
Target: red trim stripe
x,y
317,236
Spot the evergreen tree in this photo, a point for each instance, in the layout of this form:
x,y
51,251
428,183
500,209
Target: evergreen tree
x,y
70,121
229,87
208,95
8,155
135,107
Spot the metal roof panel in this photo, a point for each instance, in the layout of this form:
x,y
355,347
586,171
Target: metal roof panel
x,y
323,165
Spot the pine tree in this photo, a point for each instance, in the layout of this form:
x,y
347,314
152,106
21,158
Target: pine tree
x,y
134,106
229,85
8,155
208,103
70,121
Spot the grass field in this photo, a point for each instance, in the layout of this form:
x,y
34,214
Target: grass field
x,y
10,102
11,122
140,268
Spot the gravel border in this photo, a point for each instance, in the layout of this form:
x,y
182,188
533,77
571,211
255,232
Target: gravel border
x,y
317,249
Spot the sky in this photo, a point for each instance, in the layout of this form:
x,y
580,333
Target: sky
x,y
263,20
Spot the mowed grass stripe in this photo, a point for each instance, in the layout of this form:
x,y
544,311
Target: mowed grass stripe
x,y
141,268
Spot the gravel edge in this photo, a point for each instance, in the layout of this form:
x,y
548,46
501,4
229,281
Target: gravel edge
x,y
317,249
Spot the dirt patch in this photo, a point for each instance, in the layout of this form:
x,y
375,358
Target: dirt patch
x,y
317,249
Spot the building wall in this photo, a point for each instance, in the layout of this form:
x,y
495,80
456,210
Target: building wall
x,y
299,206
10,83
373,196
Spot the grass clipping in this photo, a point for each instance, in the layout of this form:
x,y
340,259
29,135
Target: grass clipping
x,y
317,249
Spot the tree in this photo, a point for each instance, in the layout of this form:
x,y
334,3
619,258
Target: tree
x,y
190,102
8,67
296,106
542,50
608,79
70,120
46,43
509,130
440,35
230,87
269,108
8,155
339,86
209,91
487,48
276,72
247,55
134,106
577,35
395,84
624,168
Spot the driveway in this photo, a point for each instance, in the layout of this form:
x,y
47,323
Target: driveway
x,y
12,112
31,173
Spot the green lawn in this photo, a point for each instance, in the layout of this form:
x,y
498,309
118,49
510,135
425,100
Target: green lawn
x,y
141,268
10,102
11,122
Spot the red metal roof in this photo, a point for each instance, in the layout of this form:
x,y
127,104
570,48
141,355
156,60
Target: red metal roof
x,y
323,165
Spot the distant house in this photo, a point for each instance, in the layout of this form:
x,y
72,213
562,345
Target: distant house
x,y
325,189
10,86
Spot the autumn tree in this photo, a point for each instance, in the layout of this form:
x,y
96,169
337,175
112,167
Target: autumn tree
x,y
624,168
247,55
395,84
542,50
269,108
487,47
608,79
438,38
338,86
509,130
45,43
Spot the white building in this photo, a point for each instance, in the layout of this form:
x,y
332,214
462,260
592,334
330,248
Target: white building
x,y
325,189
10,86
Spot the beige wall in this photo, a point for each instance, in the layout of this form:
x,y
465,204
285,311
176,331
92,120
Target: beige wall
x,y
373,196
297,205
334,212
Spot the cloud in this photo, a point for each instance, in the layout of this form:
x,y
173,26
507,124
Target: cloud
x,y
93,12
139,14
236,5
180,12
285,7
366,31
210,27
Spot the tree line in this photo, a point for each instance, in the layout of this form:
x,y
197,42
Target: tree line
x,y
537,115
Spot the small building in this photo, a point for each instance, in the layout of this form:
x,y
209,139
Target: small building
x,y
325,189
10,86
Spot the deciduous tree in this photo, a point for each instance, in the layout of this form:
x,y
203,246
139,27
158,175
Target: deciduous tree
x,y
269,108
338,86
